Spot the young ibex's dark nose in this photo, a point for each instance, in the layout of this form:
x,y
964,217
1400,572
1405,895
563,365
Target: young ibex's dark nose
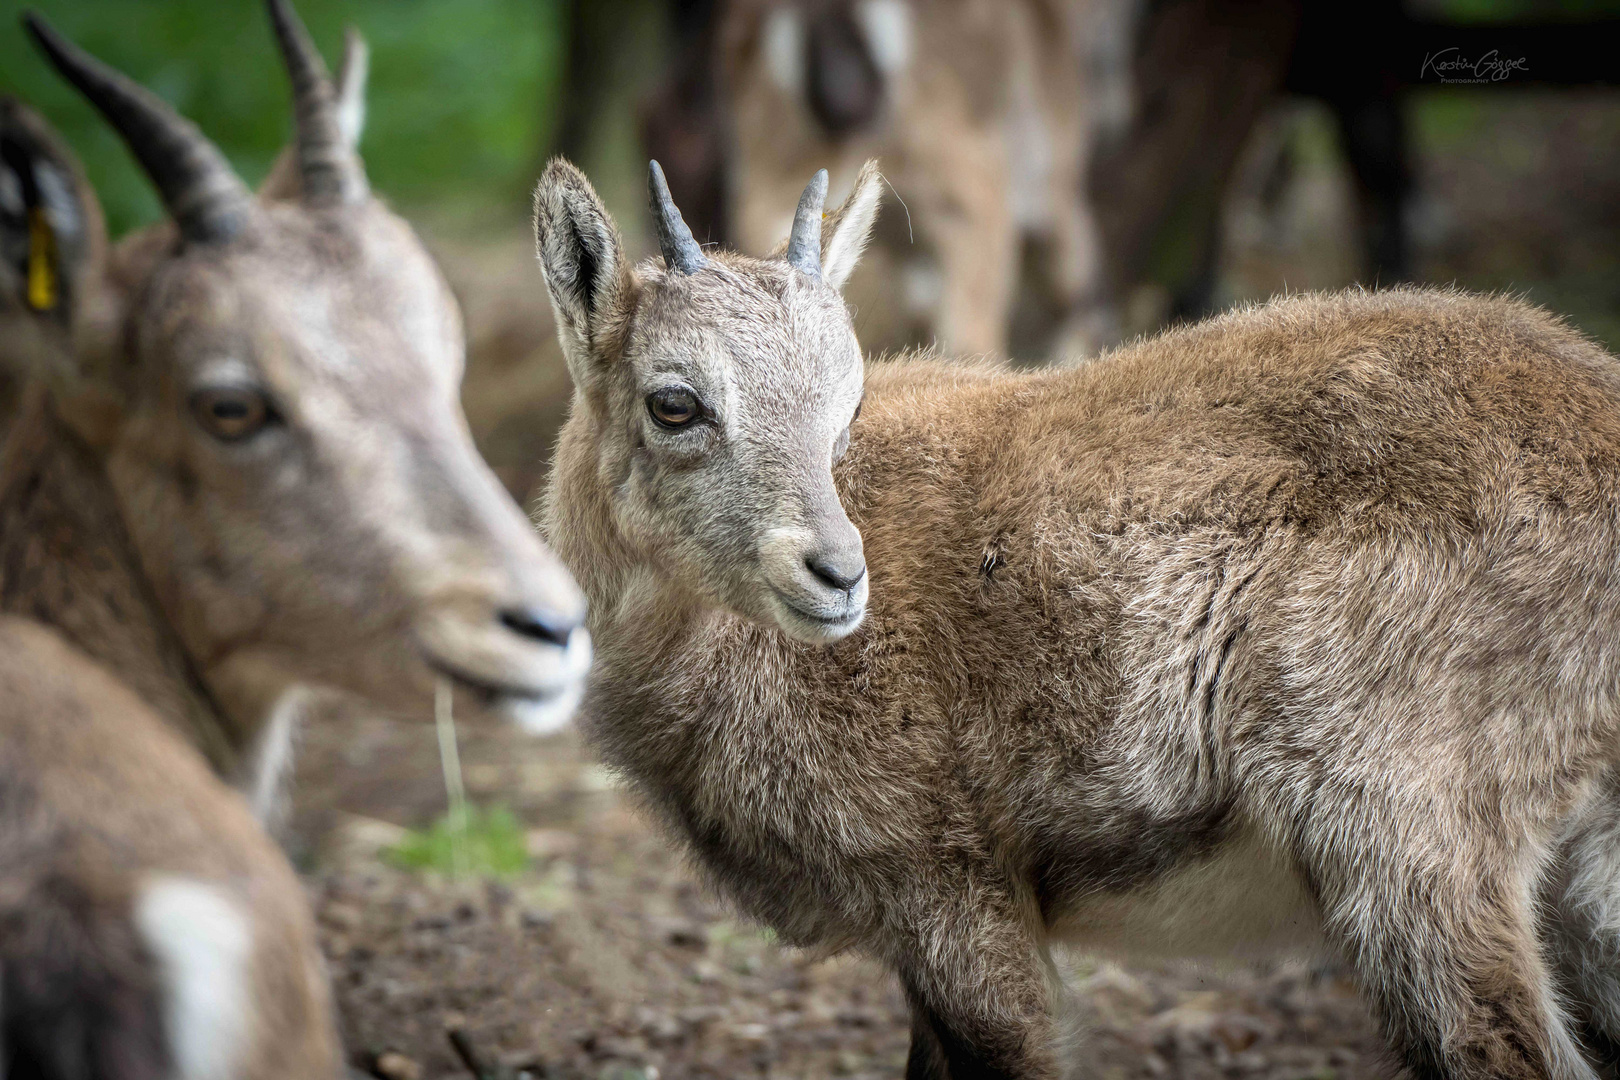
x,y
540,624
842,572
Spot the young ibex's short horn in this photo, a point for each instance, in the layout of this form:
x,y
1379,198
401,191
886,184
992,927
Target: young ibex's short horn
x,y
804,242
680,251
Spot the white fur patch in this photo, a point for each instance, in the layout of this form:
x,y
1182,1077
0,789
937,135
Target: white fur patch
x,y
784,49
269,766
546,716
204,947
886,24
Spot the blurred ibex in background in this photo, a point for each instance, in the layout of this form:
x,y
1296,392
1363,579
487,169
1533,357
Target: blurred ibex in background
x,y
1097,137
984,114
239,466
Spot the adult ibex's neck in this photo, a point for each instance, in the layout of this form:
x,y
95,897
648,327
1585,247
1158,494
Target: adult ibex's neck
x,y
66,560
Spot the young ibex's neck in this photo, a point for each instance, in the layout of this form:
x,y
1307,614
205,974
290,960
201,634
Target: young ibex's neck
x,y
66,560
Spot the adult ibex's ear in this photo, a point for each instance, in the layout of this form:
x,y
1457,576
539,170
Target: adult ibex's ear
x,y
585,269
285,180
845,231
52,242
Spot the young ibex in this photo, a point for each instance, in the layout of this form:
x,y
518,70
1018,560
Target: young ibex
x,y
1296,627
241,467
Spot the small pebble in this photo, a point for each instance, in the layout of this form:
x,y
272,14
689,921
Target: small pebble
x,y
392,1065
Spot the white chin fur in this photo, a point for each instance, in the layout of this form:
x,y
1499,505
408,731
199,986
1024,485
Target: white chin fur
x,y
545,716
550,714
800,627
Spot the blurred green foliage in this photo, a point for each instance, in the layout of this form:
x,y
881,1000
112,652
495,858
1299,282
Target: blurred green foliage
x,y
1489,11
461,101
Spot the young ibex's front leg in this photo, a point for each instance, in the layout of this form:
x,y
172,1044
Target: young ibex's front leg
x,y
974,977
1439,921
1584,920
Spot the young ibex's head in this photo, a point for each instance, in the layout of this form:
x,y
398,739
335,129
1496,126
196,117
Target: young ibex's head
x,y
273,382
719,391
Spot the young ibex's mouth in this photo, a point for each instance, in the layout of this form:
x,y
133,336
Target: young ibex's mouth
x,y
816,626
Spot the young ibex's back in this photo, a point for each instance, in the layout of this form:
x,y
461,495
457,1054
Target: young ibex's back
x,y
1299,626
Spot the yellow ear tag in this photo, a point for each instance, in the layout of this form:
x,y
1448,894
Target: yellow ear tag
x,y
42,292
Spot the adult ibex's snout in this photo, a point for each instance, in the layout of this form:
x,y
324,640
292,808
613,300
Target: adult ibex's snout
x,y
508,621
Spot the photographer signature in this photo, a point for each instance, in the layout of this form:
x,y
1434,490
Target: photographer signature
x,y
1450,66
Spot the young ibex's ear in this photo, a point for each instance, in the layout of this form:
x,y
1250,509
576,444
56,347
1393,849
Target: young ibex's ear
x,y
583,262
846,230
52,241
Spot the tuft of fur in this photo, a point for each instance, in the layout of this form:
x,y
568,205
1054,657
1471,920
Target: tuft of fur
x,y
1313,603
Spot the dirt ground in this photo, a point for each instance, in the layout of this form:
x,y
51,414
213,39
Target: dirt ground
x,y
605,960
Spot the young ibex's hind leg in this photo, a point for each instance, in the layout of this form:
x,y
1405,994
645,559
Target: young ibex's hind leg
x,y
1584,928
1440,924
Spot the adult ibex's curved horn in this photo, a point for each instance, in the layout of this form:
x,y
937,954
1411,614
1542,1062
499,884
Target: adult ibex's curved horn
x,y
804,242
329,167
681,252
206,198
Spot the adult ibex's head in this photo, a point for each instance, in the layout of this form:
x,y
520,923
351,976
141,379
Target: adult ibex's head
x,y
719,391
273,382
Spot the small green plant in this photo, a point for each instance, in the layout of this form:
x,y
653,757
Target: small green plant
x,y
467,841
486,842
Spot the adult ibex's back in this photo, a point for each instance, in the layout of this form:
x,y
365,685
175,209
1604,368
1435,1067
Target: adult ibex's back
x,y
240,467
1299,626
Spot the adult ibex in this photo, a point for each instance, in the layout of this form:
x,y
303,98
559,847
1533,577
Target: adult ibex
x,y
240,467
263,394
1299,626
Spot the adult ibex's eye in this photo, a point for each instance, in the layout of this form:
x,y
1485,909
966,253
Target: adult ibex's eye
x,y
673,406
230,412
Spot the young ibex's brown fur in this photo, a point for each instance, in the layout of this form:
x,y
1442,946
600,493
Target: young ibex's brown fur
x,y
1299,626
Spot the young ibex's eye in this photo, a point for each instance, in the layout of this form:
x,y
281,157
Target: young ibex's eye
x,y
673,406
230,413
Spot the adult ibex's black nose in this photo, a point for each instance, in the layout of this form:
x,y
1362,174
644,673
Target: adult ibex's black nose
x,y
842,572
540,624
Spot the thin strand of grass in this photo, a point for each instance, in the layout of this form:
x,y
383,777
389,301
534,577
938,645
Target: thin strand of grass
x,y
450,761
